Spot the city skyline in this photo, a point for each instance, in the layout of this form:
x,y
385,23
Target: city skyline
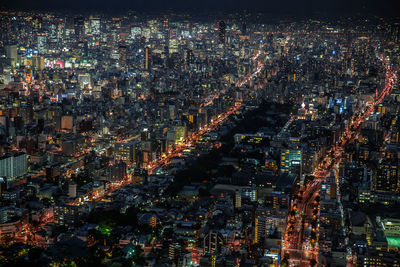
x,y
174,136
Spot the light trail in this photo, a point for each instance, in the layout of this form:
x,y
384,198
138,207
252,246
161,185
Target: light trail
x,y
330,161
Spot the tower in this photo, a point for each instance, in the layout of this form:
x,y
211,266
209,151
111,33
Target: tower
x,y
79,27
221,31
122,56
147,58
244,28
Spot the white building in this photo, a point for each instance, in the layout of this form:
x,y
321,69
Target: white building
x,y
12,166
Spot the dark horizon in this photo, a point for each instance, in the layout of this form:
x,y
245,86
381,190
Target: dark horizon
x,y
287,7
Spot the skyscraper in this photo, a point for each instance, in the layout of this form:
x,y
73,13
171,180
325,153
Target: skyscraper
x,y
11,52
244,28
79,27
147,58
221,31
387,177
42,43
94,26
122,56
291,161
13,165
37,23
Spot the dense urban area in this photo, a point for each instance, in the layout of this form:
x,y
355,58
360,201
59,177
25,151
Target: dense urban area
x,y
179,140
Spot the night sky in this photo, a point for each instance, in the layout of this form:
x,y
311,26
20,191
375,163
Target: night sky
x,y
297,7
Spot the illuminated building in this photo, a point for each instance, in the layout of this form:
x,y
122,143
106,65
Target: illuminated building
x,y
238,199
270,164
147,58
391,227
291,161
37,62
66,215
67,122
11,53
260,229
180,133
28,74
42,43
250,192
13,165
377,259
94,26
85,80
125,152
277,201
135,31
148,218
37,23
387,177
212,243
173,46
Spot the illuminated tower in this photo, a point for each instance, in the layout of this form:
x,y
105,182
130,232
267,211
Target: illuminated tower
x,y
28,74
147,58
221,31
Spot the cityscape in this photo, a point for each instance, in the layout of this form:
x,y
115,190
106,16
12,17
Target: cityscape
x,y
191,134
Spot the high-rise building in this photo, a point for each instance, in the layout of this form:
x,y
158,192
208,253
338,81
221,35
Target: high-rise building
x,y
122,56
37,23
260,228
28,75
37,62
189,56
42,43
291,161
72,190
117,172
387,177
238,199
244,28
13,165
221,31
147,58
125,152
79,27
212,243
95,26
11,53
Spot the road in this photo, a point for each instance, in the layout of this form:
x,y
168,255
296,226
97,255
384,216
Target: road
x,y
298,242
